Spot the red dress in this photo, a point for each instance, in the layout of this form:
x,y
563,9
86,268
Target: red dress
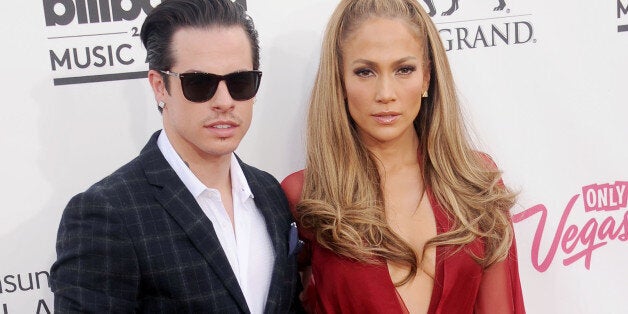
x,y
342,285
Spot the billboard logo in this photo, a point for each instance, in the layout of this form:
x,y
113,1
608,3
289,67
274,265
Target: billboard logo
x,y
64,12
97,40
106,56
454,7
622,16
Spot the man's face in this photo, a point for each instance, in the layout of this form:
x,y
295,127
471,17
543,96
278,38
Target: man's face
x,y
212,129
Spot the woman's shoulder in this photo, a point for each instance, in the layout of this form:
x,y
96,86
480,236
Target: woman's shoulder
x,y
486,161
292,185
488,164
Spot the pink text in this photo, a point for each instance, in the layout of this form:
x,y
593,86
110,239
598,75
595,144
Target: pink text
x,y
575,241
598,197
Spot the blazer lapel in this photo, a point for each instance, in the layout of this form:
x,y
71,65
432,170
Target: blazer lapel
x,y
181,205
268,207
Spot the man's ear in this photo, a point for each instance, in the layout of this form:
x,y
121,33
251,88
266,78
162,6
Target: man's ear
x,y
158,85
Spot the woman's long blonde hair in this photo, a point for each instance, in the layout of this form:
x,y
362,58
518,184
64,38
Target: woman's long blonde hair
x,y
342,202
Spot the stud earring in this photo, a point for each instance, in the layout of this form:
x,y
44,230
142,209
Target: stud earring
x,y
161,105
424,94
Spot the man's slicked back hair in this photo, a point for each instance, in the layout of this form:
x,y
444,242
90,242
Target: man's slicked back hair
x,y
171,15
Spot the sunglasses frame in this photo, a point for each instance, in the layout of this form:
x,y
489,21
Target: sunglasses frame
x,y
219,78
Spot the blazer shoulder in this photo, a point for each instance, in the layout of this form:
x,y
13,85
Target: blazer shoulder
x,y
120,183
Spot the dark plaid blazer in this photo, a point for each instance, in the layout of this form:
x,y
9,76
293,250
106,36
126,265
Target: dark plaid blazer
x,y
137,241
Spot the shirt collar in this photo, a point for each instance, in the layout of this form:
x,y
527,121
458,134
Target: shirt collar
x,y
191,182
239,184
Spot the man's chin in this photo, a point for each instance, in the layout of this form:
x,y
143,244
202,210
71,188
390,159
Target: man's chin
x,y
220,147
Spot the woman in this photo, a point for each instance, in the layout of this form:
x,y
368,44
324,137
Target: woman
x,y
399,213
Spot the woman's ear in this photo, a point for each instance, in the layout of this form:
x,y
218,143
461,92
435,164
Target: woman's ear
x,y
427,75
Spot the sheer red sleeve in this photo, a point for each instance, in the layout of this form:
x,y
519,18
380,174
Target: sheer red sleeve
x,y
292,186
500,288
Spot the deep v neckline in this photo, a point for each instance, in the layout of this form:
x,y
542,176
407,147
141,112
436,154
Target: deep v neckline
x,y
438,262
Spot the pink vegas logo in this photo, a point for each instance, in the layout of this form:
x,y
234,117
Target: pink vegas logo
x,y
578,241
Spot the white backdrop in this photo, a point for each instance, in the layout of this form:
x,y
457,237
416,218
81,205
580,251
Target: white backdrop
x,y
543,85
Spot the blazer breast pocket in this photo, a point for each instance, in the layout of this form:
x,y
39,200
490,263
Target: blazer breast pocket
x,y
294,243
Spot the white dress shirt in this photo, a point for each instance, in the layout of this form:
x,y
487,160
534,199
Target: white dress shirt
x,y
248,247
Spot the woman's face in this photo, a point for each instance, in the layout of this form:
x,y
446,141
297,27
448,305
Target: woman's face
x,y
384,78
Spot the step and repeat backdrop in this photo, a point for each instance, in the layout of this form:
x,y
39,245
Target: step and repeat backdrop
x,y
544,87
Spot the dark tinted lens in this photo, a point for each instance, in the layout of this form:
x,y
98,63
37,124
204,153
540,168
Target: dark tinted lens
x,y
243,85
199,87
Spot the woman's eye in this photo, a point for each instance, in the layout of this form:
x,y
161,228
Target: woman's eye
x,y
363,72
406,70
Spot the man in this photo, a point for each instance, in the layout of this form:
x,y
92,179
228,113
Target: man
x,y
185,227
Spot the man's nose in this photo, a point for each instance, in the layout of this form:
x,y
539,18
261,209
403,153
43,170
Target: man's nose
x,y
222,100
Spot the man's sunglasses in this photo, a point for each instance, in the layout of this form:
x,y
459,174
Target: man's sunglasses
x,y
201,87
